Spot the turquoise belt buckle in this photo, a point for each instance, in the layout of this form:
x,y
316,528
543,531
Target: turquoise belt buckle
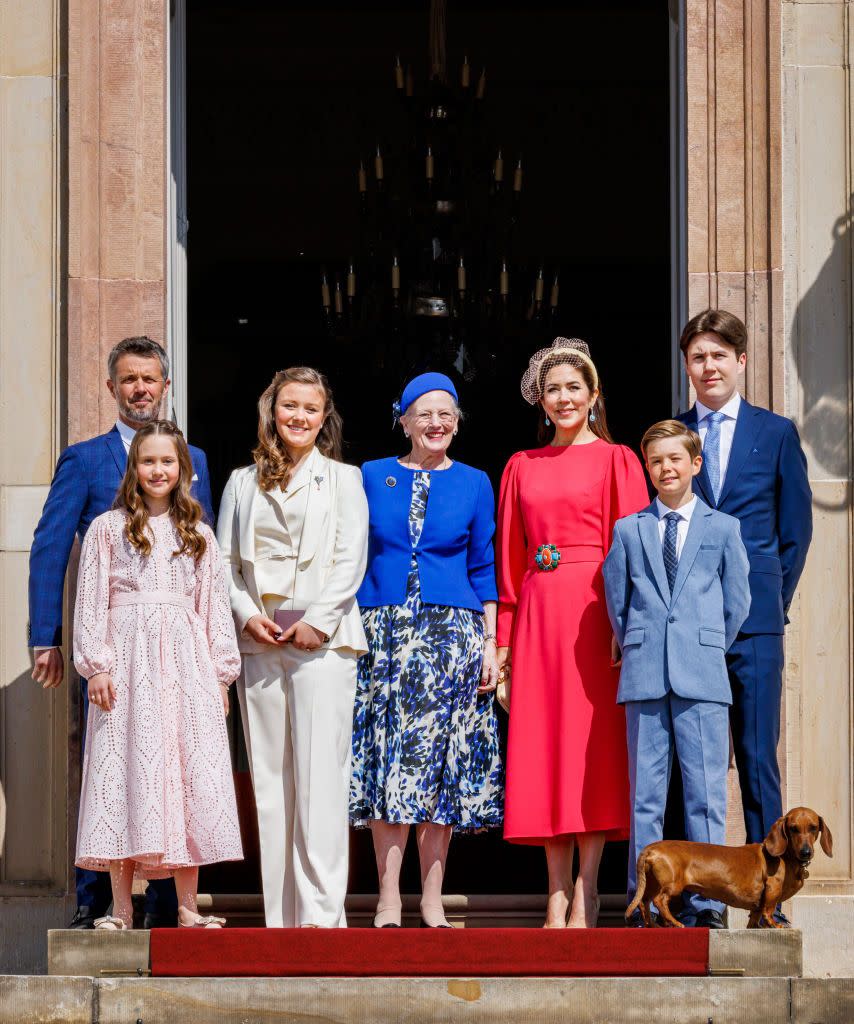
x,y
547,557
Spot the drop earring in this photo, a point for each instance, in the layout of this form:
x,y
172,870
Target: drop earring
x,y
591,416
548,422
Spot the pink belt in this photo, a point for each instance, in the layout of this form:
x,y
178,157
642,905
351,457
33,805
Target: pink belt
x,y
567,553
151,597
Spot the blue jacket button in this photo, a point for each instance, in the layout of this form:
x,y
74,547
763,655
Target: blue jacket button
x,y
672,618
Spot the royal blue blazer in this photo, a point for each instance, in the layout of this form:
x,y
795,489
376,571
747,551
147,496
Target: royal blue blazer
x,y
87,478
455,558
767,489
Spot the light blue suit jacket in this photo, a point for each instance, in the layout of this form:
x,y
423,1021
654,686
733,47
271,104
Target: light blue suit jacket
x,y
676,642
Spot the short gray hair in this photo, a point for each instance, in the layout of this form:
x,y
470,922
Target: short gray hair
x,y
139,346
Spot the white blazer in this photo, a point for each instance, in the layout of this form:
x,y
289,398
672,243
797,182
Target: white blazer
x,y
333,551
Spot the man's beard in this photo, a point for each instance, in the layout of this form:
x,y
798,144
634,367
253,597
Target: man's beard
x,y
140,416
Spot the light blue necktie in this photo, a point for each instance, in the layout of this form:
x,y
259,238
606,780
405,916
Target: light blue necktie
x,y
712,451
671,562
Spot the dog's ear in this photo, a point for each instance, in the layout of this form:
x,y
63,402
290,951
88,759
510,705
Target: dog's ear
x,y
777,839
826,837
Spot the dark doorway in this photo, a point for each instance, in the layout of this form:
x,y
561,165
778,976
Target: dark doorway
x,y
283,102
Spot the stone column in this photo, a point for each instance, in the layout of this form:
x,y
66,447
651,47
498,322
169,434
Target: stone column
x,y
117,192
817,233
33,730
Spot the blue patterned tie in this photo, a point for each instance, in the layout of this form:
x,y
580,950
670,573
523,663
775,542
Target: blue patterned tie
x,y
712,451
671,562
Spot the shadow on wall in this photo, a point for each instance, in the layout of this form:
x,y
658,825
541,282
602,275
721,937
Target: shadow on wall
x,y
824,368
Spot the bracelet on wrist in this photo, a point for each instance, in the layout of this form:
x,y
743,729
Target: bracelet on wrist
x,y
488,636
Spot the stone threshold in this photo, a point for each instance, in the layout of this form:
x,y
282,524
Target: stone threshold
x,y
741,954
51,1000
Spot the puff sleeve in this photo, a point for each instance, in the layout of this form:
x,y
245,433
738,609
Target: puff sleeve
x,y
92,654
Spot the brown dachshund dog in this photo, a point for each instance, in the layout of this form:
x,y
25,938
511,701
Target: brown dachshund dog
x,y
755,877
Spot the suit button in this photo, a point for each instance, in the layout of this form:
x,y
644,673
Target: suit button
x,y
672,618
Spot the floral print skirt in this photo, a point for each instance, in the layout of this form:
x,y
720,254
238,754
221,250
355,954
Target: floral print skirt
x,y
425,744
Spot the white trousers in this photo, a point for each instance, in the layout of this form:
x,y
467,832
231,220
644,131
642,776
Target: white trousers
x,y
298,720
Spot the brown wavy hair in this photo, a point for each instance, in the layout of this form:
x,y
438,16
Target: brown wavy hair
x,y
599,426
271,457
185,511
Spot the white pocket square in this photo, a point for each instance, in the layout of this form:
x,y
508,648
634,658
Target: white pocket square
x,y
195,478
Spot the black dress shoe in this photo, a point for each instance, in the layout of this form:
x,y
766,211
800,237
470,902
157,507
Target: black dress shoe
x,y
780,918
635,919
155,920
84,917
425,925
712,919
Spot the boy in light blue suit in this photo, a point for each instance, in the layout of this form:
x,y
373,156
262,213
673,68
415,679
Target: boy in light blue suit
x,y
676,583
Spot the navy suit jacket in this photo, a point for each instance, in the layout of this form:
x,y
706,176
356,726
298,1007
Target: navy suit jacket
x,y
84,486
456,562
766,488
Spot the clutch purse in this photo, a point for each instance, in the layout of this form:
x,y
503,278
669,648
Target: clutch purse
x,y
286,617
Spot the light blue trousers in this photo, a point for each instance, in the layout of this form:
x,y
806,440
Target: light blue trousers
x,y
698,731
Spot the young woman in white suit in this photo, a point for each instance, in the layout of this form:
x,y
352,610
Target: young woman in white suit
x,y
293,530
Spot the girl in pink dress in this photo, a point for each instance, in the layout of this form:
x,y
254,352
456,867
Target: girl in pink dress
x,y
154,637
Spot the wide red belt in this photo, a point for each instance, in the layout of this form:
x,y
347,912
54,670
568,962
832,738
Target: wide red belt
x,y
548,556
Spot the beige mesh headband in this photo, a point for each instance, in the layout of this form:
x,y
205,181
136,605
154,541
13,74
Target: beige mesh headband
x,y
572,351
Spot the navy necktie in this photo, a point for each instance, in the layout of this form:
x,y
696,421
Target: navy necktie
x,y
671,562
712,451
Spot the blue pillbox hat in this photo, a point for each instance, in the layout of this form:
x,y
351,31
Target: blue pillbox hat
x,y
423,383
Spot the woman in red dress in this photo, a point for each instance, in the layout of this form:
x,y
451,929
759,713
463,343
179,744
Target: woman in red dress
x,y
567,772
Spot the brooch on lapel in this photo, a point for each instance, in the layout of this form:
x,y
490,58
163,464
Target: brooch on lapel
x,y
318,481
390,481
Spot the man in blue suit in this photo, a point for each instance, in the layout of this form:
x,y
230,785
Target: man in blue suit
x,y
677,593
753,469
84,486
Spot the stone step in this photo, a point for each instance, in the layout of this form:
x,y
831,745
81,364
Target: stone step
x,y
744,954
711,1000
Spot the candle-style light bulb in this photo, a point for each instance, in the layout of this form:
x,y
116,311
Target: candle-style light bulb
x,y
395,275
351,280
398,73
539,285
555,292
379,171
499,167
339,298
465,73
481,85
517,177
410,82
504,280
428,162
363,177
461,276
325,297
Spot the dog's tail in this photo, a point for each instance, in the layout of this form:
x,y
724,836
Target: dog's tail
x,y
641,886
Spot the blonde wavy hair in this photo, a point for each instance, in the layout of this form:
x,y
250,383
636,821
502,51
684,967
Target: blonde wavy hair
x,y
271,457
184,510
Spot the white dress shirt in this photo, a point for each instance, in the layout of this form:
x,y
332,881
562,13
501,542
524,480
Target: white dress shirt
x,y
727,427
685,513
127,433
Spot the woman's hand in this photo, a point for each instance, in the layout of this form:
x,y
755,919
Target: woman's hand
x,y
489,673
48,668
503,657
101,691
263,630
304,637
616,653
223,692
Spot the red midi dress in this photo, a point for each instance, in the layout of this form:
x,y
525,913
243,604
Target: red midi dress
x,y
567,767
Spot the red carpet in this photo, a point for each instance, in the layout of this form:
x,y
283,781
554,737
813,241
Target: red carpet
x,y
411,952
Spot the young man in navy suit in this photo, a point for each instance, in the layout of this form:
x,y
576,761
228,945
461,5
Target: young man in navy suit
x,y
84,485
754,469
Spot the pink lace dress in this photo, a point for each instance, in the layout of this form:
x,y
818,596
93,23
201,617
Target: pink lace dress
x,y
157,781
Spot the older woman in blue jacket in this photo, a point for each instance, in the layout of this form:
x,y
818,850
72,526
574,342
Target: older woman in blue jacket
x,y
425,735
